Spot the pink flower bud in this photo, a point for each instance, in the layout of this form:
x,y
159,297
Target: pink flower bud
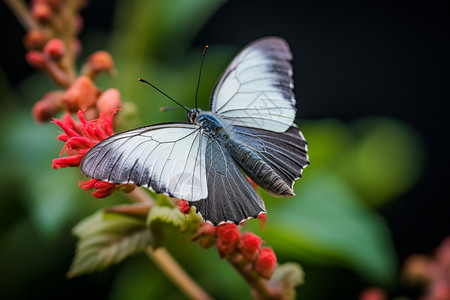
x,y
48,106
36,59
35,40
228,236
265,263
41,11
249,245
206,235
98,62
80,95
55,49
108,100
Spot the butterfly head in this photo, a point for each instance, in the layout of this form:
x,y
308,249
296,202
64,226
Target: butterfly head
x,y
193,114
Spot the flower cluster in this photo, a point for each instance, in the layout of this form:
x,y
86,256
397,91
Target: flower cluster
x,y
244,251
431,272
52,48
81,136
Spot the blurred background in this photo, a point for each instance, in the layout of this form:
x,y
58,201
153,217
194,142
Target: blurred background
x,y
371,80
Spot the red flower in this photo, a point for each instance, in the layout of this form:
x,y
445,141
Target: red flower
x,y
265,263
81,136
249,245
228,236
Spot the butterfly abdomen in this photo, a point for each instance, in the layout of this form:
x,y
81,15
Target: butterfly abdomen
x,y
259,171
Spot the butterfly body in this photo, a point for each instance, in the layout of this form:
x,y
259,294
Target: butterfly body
x,y
249,128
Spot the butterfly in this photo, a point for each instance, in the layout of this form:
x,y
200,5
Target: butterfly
x,y
249,130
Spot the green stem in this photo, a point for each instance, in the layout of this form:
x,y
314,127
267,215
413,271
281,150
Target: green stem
x,y
162,258
176,273
20,10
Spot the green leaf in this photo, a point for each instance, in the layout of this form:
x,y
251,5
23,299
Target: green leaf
x,y
107,239
172,215
326,221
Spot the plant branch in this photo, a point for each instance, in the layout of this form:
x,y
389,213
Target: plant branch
x,y
260,286
20,10
173,270
139,195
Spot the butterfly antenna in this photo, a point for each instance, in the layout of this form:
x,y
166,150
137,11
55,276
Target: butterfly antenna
x,y
181,105
200,74
163,109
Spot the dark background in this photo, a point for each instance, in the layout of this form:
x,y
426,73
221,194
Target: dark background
x,y
351,59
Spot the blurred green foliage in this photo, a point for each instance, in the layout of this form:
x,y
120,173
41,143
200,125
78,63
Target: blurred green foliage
x,y
354,168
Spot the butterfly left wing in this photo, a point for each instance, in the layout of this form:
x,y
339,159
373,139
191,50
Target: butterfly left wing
x,y
256,88
231,198
166,158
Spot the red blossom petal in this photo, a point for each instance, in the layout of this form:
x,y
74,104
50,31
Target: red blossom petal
x,y
263,218
102,188
68,161
81,136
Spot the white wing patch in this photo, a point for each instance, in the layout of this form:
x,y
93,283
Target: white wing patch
x,y
256,89
166,158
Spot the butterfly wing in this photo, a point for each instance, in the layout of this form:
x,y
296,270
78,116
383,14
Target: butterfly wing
x,y
285,152
166,158
231,198
256,88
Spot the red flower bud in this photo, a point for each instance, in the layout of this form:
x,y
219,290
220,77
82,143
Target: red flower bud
x,y
48,106
184,207
41,11
206,235
98,62
373,294
249,245
265,263
81,94
36,59
55,49
108,100
228,236
35,40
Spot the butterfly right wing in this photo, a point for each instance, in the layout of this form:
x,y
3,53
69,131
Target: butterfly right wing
x,y
166,158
